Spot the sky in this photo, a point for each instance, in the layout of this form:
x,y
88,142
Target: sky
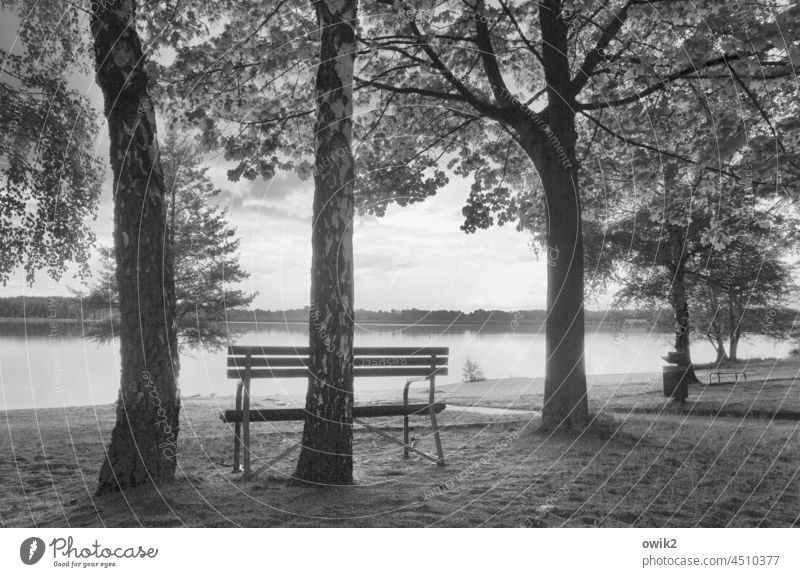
x,y
413,257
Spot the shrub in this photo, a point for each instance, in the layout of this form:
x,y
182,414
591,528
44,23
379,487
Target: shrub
x,y
472,371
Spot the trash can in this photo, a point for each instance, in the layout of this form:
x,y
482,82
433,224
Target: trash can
x,y
676,382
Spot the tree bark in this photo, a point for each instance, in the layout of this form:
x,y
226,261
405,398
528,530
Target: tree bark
x,y
565,401
143,441
734,347
326,456
550,140
734,318
715,336
681,354
715,331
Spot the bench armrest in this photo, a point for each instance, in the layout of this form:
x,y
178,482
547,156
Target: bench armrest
x,y
431,388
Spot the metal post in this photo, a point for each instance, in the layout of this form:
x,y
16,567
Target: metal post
x,y
246,418
405,420
237,429
432,412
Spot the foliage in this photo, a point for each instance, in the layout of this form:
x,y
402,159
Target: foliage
x,y
49,178
708,201
472,372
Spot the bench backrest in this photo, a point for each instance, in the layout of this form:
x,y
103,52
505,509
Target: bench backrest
x,y
292,362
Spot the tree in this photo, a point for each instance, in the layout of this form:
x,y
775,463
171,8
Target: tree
x,y
49,178
712,199
653,259
494,90
513,78
205,252
327,450
143,442
752,275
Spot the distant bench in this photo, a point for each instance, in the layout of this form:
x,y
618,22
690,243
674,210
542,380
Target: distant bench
x,y
248,363
719,375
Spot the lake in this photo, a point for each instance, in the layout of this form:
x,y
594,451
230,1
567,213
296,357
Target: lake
x,y
37,370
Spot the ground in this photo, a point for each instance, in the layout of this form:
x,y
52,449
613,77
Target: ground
x,y
645,462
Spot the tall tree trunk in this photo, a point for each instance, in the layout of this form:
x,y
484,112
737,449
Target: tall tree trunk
x,y
715,330
734,318
715,337
734,346
681,354
142,448
327,453
549,140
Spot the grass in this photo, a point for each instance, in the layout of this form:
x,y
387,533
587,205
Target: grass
x,y
638,470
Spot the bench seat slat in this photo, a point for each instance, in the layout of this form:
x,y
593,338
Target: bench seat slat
x,y
241,350
294,373
359,412
241,362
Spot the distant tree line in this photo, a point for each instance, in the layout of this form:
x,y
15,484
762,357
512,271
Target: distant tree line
x,y
512,319
45,307
775,322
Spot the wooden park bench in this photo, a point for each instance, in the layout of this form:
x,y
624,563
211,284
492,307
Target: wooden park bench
x,y
266,362
731,372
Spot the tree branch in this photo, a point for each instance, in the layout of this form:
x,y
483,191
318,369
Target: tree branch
x,y
478,104
489,60
688,71
597,54
524,38
686,159
409,90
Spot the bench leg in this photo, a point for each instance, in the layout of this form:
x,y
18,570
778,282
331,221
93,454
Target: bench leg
x,y
434,425
237,430
405,438
246,428
436,438
388,437
405,422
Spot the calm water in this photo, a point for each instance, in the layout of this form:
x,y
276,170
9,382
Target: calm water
x,y
39,371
